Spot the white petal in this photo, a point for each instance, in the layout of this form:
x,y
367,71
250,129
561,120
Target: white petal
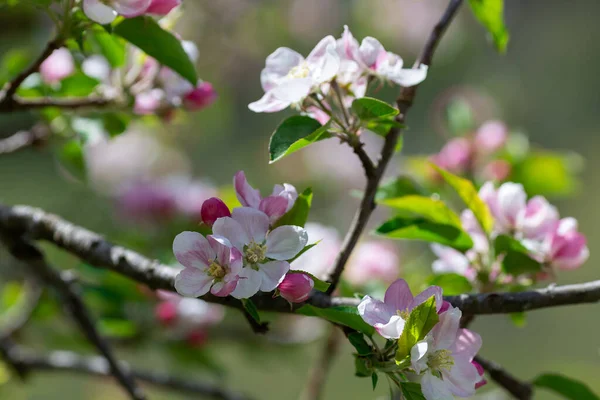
x,y
231,229
373,311
99,12
408,77
192,282
417,356
369,50
393,329
131,8
273,273
292,90
254,222
278,64
324,61
445,331
248,284
463,376
284,242
268,103
434,388
192,250
222,248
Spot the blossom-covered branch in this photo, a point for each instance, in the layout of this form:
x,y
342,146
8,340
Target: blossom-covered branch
x,y
34,258
67,361
404,102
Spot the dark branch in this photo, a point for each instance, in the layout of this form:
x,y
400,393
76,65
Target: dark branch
x,y
404,102
23,139
34,258
18,103
67,361
520,390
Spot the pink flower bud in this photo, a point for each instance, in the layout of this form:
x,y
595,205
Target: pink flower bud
x,y
480,371
213,209
497,170
296,288
567,247
455,156
166,312
148,102
162,7
200,97
491,137
57,66
373,261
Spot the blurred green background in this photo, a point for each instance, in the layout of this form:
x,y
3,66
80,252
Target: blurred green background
x,y
546,85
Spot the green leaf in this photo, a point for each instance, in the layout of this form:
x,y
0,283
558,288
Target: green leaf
x,y
398,187
13,62
360,344
77,85
412,391
343,315
117,328
452,284
362,368
146,34
368,109
72,158
431,209
111,47
294,134
460,117
491,15
374,380
420,321
422,229
467,192
516,259
115,123
320,285
250,307
567,387
298,214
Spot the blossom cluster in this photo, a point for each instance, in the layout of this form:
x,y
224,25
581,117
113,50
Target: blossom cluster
x,y
443,359
311,84
247,251
554,242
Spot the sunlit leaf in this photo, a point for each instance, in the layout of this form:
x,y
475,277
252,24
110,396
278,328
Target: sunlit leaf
x,y
491,15
294,134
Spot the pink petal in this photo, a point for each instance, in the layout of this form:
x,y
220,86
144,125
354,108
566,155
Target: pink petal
x,y
222,248
255,223
274,207
223,289
369,50
435,291
462,378
374,311
444,333
131,8
284,242
192,250
246,194
231,229
468,343
57,66
398,296
248,284
434,388
162,7
192,282
272,273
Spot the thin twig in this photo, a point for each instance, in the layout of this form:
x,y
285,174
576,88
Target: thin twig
x,y
19,103
318,375
520,390
34,258
404,102
23,139
67,361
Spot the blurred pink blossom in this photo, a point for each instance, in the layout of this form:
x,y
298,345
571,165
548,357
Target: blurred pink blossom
x,y
57,66
105,11
148,102
566,248
202,96
490,137
455,156
319,259
373,261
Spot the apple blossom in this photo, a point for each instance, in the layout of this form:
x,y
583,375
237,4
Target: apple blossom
x,y
319,260
296,287
537,219
388,316
497,170
203,95
265,253
144,201
162,7
105,11
280,201
57,66
490,137
451,261
288,78
565,247
209,264
444,359
373,261
505,203
148,102
455,156
373,59
213,209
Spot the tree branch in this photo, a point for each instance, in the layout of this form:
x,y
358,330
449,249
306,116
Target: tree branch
x,y
22,139
18,103
66,361
404,102
34,258
520,390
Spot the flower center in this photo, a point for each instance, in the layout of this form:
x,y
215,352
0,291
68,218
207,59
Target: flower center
x,y
216,270
255,253
403,314
441,359
299,71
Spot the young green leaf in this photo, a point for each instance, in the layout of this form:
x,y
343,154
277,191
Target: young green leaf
x,y
516,258
368,109
250,307
467,192
422,229
110,46
491,15
298,214
374,380
145,33
320,285
360,344
77,85
419,323
294,134
452,284
412,391
343,315
431,209
567,387
304,250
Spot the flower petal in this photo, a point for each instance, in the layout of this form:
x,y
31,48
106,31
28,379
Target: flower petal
x,y
370,49
192,250
223,289
323,60
192,282
131,8
417,356
293,90
246,194
393,329
99,12
434,388
284,242
222,248
232,230
398,296
273,273
374,311
248,284
268,103
444,333
254,222
407,76
467,343
462,377
435,291
274,207
278,65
